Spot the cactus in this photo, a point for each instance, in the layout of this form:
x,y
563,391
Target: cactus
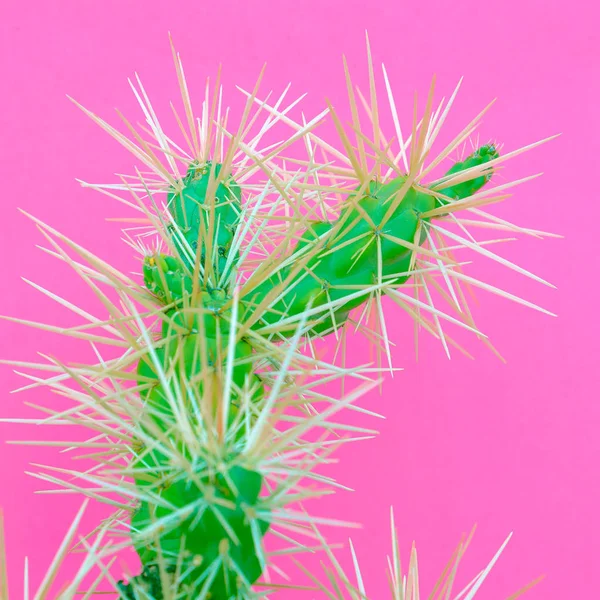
x,y
202,337
216,409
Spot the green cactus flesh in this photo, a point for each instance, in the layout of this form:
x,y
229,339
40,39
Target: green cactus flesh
x,y
217,536
217,521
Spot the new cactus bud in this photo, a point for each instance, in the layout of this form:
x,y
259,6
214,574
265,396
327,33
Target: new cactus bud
x,y
467,188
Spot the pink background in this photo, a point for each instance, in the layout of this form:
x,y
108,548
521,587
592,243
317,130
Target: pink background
x,y
510,447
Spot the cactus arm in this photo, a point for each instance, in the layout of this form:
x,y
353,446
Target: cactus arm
x,y
350,258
